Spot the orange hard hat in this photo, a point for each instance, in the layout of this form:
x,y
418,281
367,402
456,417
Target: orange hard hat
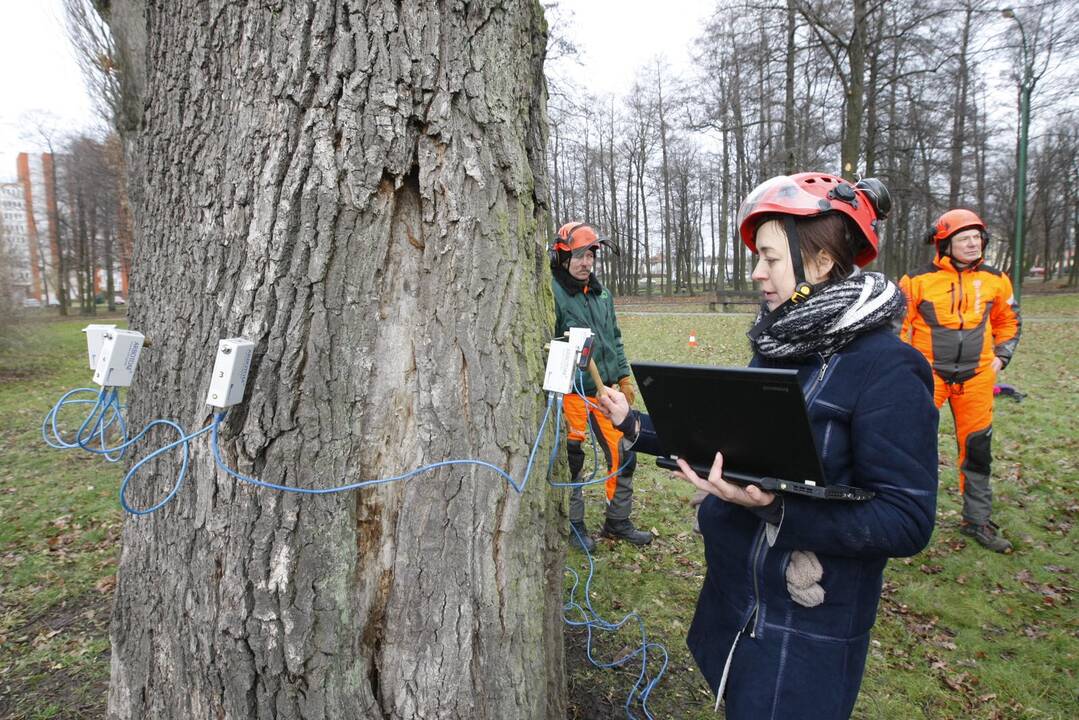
x,y
954,221
576,238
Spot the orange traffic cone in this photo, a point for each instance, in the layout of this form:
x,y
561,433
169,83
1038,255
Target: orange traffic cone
x,y
693,338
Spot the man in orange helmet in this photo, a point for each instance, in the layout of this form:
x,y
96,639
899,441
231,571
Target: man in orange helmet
x,y
962,315
580,301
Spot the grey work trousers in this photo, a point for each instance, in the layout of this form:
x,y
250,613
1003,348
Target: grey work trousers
x,y
620,506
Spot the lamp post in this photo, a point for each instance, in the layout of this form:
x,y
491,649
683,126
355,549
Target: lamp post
x,y
1026,85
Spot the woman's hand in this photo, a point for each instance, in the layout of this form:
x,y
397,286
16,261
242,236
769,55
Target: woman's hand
x,y
614,405
748,496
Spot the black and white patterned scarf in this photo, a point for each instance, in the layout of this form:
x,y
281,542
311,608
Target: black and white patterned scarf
x,y
832,317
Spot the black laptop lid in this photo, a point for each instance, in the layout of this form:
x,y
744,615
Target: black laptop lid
x,y
756,417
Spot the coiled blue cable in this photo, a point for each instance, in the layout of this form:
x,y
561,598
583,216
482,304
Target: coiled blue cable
x,y
96,425
643,687
105,400
590,619
184,440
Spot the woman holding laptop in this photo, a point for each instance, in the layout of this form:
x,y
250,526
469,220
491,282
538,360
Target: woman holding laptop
x,y
782,623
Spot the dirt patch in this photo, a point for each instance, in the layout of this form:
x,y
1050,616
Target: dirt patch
x,y
16,374
91,609
600,693
592,694
39,688
68,694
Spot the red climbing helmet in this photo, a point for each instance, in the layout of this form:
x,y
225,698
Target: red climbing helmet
x,y
866,203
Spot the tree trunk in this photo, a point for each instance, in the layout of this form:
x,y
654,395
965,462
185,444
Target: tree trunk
x,y
712,278
724,208
48,163
615,228
981,149
629,220
556,195
789,157
361,191
852,119
78,231
872,97
644,216
106,261
666,183
91,253
959,106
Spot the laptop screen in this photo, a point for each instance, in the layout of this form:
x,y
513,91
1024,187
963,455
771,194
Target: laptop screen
x,y
756,417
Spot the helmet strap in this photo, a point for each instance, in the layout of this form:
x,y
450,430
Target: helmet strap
x,y
802,288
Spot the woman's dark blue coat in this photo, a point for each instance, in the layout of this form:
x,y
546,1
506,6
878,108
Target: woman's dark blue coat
x,y
875,425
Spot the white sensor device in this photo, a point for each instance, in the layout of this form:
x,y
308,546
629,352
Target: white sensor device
x,y
231,366
578,336
561,362
95,335
117,358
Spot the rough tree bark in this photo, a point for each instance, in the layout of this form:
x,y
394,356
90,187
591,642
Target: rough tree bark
x,y
359,187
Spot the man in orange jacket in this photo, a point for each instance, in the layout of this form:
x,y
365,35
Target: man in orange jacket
x,y
962,315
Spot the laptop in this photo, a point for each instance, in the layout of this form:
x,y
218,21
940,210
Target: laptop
x,y
755,416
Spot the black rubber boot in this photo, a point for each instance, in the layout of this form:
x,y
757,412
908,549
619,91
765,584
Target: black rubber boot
x,y
585,542
624,530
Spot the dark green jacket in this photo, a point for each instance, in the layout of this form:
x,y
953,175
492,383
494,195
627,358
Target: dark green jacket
x,y
590,305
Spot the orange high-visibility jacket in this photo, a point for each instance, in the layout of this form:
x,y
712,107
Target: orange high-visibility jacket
x,y
960,319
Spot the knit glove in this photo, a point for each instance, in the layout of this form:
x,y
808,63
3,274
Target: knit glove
x,y
803,579
625,384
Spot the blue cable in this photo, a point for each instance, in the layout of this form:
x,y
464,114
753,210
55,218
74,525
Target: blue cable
x,y
643,687
184,440
578,388
592,619
100,427
95,424
519,488
105,400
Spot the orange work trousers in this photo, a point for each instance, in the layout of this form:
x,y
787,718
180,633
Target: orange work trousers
x,y
972,409
578,419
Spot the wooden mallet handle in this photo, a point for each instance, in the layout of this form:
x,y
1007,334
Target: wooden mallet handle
x,y
601,389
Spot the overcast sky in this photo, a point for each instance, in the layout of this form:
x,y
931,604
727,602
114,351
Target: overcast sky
x,y
615,38
38,71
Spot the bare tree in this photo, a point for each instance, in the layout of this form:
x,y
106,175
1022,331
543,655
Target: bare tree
x,y
96,54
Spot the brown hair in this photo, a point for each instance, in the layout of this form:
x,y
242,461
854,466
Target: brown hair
x,y
831,234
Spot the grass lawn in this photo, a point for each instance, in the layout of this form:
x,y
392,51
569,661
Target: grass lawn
x,y
59,535
962,633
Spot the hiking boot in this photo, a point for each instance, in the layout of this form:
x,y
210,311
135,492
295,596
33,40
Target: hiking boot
x,y
624,530
988,536
579,540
